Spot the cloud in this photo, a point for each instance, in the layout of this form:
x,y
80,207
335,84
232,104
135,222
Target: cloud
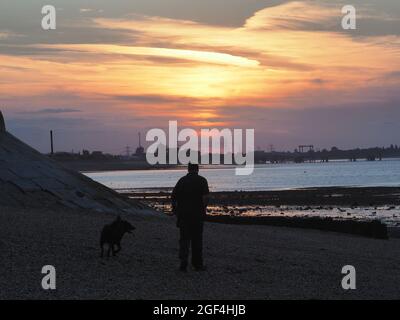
x,y
270,69
6,34
51,111
153,99
263,59
393,75
86,10
372,20
193,55
294,15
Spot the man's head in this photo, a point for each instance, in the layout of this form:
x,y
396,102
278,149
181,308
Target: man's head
x,y
193,168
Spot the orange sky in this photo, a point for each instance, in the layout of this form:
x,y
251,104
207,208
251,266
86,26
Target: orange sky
x,y
174,69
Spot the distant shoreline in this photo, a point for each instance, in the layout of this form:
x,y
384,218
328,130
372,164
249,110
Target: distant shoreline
x,y
89,166
351,196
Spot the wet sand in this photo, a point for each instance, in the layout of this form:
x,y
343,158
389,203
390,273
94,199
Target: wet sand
x,y
340,203
245,262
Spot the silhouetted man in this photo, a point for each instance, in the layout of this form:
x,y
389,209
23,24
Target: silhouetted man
x,y
189,202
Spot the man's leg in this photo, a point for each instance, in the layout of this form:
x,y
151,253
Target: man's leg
x,y
197,247
184,243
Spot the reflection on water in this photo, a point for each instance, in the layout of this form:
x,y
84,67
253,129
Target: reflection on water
x,y
265,177
386,214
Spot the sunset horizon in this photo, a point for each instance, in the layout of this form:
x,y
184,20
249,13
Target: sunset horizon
x,y
285,68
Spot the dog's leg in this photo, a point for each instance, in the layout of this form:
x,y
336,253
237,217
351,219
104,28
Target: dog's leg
x,y
102,251
109,250
113,250
118,248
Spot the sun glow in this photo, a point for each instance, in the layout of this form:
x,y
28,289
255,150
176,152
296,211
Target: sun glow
x,y
170,68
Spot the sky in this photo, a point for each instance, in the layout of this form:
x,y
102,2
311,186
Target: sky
x,y
287,69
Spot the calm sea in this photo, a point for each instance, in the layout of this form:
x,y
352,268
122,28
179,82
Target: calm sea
x,y
265,177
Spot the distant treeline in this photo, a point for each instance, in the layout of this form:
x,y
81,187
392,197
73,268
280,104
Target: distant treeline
x,y
260,156
334,153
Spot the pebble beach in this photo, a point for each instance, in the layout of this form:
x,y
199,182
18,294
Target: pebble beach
x,y
244,261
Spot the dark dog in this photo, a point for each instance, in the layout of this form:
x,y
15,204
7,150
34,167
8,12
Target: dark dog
x,y
112,235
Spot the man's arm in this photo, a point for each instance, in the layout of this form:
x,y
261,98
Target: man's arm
x,y
206,195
